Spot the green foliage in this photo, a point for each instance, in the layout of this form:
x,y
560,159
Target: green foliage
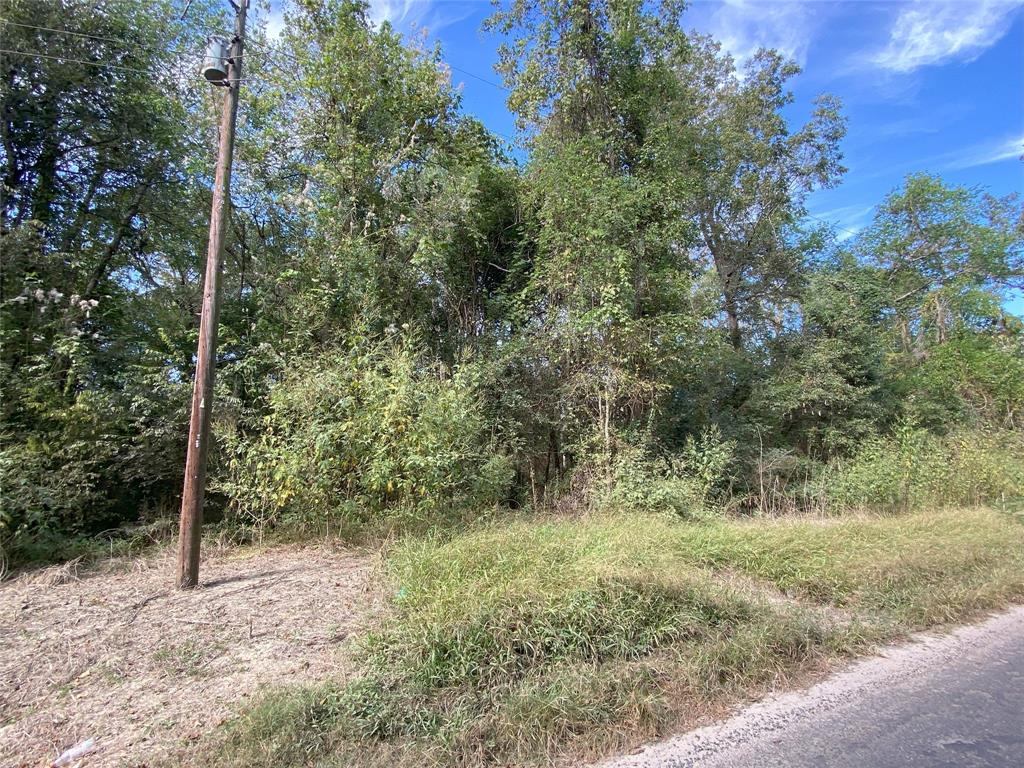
x,y
974,378
914,469
946,253
363,432
642,269
96,242
88,468
683,484
825,391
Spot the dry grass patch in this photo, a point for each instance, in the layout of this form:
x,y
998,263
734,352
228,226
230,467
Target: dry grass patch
x,y
113,653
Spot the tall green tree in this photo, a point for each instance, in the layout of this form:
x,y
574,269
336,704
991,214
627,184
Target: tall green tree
x,y
949,256
752,174
606,309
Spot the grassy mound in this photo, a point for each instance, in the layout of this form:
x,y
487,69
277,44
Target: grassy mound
x,y
523,643
912,571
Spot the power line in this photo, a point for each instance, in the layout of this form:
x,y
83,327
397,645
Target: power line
x,y
153,74
491,83
148,72
833,224
66,32
133,45
265,51
107,64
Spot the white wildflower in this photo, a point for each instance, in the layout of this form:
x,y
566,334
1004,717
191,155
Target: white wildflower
x,y
40,295
55,294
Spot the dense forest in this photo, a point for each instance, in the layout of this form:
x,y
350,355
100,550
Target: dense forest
x,y
423,324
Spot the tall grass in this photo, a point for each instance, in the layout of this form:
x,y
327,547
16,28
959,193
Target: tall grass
x,y
525,643
914,469
910,469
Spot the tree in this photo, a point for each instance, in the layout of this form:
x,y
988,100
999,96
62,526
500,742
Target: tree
x,y
98,210
752,176
606,306
948,255
826,387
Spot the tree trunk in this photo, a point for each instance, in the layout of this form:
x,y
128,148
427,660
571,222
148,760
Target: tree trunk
x,y
732,320
101,268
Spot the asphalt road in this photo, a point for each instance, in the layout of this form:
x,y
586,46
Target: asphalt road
x,y
941,702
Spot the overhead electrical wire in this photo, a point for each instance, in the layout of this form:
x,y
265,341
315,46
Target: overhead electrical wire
x,y
260,51
491,83
107,64
850,232
132,44
264,50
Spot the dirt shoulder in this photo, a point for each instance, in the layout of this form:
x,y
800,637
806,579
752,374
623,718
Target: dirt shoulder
x,y
116,655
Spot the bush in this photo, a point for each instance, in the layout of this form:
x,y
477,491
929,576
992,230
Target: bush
x,y
89,466
365,433
915,469
972,379
682,484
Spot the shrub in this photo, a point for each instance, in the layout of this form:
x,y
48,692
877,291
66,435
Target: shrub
x,y
88,466
973,379
683,484
914,469
370,431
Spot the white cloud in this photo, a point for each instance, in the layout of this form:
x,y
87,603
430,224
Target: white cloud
x,y
394,11
927,32
986,154
846,220
432,15
743,26
275,23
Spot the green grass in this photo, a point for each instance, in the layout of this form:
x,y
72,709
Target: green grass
x,y
530,643
913,571
189,658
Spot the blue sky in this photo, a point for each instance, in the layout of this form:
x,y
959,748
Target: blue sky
x,y
933,85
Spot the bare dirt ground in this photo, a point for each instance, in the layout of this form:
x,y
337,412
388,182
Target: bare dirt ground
x,y
113,653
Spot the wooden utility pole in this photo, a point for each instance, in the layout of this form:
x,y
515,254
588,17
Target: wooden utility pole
x,y
202,392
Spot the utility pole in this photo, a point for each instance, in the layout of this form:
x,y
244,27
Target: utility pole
x,y
202,394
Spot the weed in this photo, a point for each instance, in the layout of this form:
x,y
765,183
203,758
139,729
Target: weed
x,y
525,643
189,658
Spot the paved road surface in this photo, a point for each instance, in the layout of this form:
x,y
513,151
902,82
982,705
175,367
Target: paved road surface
x,y
950,702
